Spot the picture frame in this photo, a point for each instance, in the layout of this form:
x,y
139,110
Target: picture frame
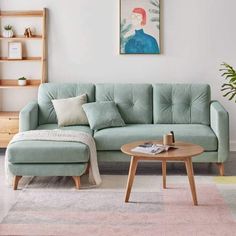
x,y
14,50
139,27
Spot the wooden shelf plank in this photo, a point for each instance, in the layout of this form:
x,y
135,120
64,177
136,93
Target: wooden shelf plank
x,y
11,83
21,13
5,59
18,87
8,114
22,37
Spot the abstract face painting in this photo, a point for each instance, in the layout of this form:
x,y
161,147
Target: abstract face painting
x,y
140,26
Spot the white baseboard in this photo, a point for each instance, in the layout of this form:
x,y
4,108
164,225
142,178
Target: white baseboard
x,y
233,146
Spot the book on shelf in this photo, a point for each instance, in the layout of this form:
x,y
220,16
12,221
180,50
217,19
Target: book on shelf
x,y
150,148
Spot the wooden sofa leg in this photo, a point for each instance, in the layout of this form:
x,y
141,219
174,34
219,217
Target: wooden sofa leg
x,y
16,180
77,181
221,168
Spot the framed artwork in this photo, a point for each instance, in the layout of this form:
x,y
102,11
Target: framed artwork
x,y
139,26
15,50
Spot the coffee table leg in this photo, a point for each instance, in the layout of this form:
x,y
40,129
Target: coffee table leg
x,y
164,173
189,168
132,171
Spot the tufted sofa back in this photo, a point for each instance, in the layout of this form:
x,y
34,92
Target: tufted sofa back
x,y
49,91
134,101
137,103
181,103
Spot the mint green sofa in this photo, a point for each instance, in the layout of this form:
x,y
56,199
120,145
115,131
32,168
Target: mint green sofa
x,y
149,111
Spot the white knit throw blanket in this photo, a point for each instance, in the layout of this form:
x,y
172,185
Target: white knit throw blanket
x,y
61,136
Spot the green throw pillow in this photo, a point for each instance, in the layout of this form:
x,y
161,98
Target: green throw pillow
x,y
103,115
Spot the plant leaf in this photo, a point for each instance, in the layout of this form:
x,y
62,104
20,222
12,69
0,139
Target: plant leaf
x,y
126,29
224,89
226,85
227,73
226,94
154,11
229,76
233,95
154,19
155,3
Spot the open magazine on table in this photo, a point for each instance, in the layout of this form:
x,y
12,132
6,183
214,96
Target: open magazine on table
x,y
151,148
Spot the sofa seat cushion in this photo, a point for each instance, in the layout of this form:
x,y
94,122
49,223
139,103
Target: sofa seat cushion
x,y
114,138
50,151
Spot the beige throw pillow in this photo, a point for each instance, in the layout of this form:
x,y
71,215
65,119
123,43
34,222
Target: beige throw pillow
x,y
70,112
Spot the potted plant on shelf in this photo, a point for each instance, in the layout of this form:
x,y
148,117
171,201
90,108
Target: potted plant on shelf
x,y
229,88
8,31
22,81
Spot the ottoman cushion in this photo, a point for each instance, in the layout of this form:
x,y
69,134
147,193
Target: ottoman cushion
x,y
50,151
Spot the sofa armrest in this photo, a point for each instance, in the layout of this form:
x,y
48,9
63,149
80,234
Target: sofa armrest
x,y
220,125
29,117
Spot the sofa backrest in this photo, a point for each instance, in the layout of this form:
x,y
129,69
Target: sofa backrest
x,y
49,91
134,101
181,103
137,103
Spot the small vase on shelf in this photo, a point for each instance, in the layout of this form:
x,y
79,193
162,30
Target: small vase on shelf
x,y
8,32
22,81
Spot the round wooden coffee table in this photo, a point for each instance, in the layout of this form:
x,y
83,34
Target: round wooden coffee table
x,y
183,152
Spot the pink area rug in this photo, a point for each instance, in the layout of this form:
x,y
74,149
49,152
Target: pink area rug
x,y
103,212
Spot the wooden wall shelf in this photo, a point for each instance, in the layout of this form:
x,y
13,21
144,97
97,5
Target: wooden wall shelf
x,y
9,121
9,114
22,37
5,59
21,13
42,38
10,83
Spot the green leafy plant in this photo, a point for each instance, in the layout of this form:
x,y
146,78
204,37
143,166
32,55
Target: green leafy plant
x,y
155,12
8,27
124,28
229,88
22,78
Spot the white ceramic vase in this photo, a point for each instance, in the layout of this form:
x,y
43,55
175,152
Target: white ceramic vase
x,y
8,33
21,82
